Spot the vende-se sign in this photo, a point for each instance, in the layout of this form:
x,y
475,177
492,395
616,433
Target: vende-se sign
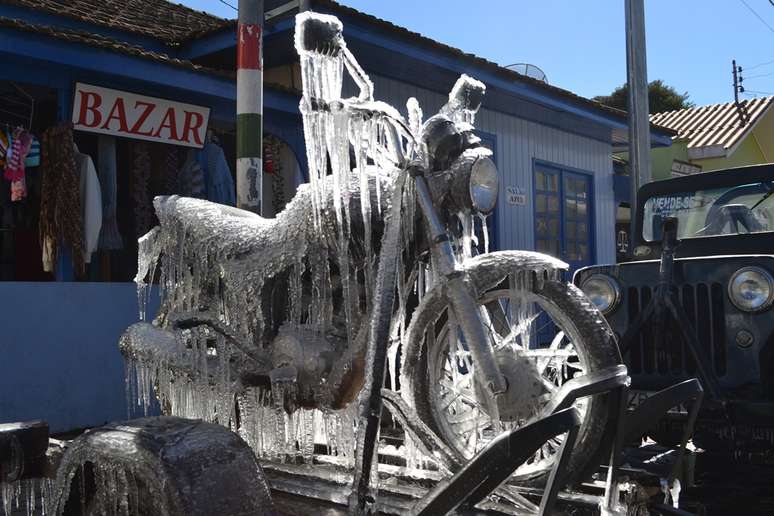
x,y
106,111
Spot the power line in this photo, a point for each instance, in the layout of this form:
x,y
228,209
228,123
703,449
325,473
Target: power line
x,y
228,4
756,15
760,75
760,92
759,65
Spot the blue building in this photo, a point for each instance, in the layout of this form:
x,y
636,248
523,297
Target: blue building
x,y
58,355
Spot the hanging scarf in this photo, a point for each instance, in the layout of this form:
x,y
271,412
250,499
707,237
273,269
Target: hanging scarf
x,y
20,146
14,167
171,168
141,171
61,217
109,236
273,166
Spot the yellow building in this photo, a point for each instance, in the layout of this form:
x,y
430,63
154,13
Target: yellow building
x,y
715,137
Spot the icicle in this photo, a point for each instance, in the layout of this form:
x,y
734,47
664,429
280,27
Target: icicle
x,y
466,243
414,117
6,491
373,146
31,495
280,423
361,163
147,256
306,445
484,231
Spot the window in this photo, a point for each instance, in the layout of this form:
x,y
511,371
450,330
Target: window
x,y
563,215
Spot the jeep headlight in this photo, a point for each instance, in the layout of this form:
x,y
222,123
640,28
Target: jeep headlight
x,y
751,289
603,291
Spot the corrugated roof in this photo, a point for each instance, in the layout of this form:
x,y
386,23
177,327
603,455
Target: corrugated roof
x,y
714,130
159,19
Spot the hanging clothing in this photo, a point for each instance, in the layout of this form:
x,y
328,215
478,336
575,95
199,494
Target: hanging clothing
x,y
21,142
141,171
274,172
217,175
33,156
61,215
109,236
5,144
18,189
91,202
191,177
20,146
171,169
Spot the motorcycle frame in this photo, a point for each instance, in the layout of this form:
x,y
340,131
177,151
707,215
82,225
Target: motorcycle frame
x,y
461,297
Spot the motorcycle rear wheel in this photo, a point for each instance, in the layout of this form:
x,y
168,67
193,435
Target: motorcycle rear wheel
x,y
441,387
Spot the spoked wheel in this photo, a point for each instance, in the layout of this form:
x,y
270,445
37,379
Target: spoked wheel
x,y
543,335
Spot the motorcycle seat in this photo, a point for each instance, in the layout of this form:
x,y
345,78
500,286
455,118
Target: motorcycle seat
x,y
232,231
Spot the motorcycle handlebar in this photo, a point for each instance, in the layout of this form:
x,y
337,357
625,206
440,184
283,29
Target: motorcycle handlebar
x,y
319,34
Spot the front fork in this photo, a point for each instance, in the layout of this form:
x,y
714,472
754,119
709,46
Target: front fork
x,y
461,296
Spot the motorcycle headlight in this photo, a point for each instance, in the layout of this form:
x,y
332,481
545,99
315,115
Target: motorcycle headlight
x,y
603,291
484,185
751,289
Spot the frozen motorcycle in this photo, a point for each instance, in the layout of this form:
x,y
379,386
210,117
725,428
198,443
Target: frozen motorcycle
x,y
385,248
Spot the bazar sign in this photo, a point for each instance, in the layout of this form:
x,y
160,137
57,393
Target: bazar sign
x,y
106,111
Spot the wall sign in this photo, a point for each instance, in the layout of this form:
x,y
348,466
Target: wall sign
x,y
683,168
515,196
107,111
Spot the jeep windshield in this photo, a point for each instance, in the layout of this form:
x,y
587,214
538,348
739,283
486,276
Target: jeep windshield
x,y
732,210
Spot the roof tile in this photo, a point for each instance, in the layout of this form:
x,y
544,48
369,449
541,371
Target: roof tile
x,y
97,40
166,21
716,125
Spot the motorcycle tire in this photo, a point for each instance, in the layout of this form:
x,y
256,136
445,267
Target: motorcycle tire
x,y
593,340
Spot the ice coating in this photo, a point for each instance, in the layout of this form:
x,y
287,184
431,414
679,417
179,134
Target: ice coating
x,y
263,322
31,495
464,100
160,466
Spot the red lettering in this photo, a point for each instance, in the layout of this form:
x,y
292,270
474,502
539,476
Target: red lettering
x,y
117,112
149,107
190,127
86,106
168,122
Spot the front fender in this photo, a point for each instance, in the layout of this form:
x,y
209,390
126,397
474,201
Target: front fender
x,y
482,273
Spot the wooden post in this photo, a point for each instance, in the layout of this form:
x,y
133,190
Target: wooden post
x,y
639,125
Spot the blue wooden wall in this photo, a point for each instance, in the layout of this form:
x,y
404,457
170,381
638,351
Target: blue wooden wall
x,y
59,357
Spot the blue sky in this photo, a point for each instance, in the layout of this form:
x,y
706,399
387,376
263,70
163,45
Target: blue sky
x,y
581,46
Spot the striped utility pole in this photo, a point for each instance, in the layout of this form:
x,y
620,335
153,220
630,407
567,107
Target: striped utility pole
x,y
249,105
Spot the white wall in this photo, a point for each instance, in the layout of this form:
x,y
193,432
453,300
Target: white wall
x,y
519,142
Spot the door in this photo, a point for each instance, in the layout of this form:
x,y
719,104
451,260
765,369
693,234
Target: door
x,y
563,220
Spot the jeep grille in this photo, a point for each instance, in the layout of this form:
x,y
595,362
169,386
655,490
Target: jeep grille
x,y
703,303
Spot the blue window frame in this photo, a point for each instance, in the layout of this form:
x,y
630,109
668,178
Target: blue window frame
x,y
563,210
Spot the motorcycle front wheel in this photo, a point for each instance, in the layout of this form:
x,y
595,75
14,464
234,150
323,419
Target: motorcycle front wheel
x,y
544,332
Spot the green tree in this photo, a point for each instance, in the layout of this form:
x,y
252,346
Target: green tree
x,y
661,97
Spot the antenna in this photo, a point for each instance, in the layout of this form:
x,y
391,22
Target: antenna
x,y
738,88
529,70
